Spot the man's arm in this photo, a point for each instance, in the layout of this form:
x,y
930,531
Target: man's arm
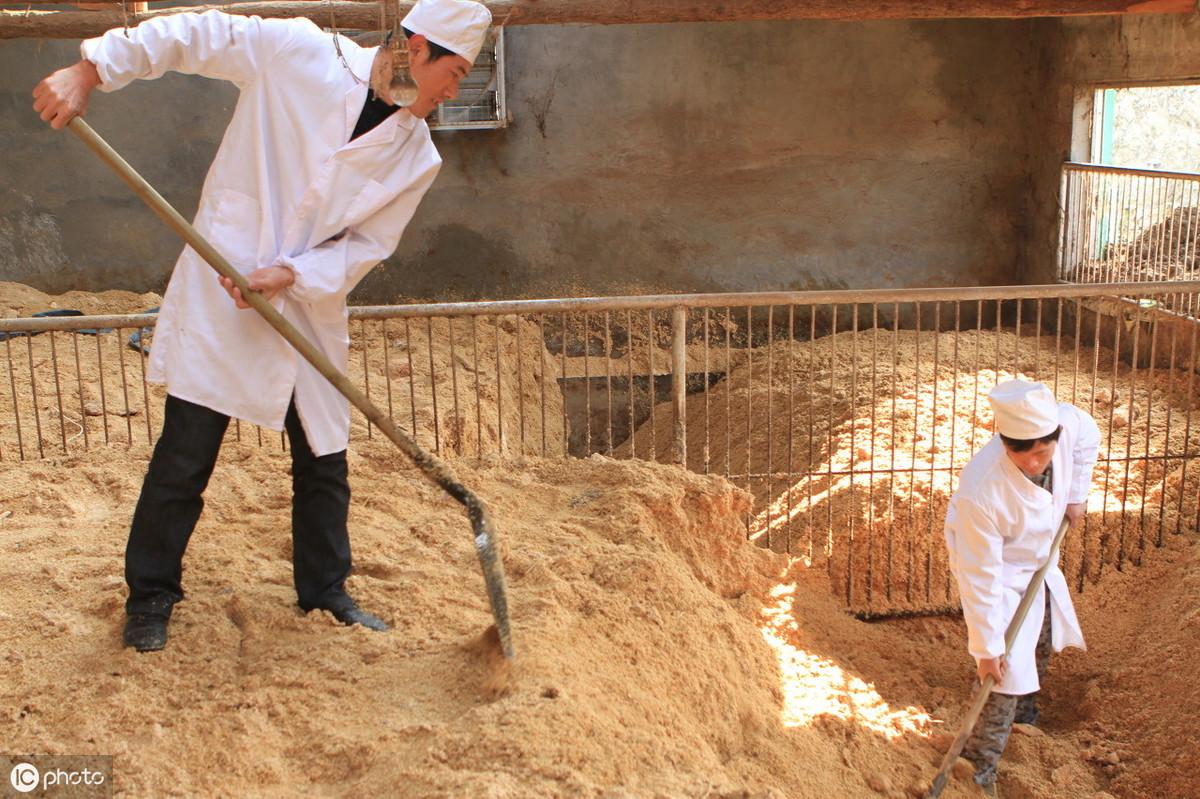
x,y
212,44
334,268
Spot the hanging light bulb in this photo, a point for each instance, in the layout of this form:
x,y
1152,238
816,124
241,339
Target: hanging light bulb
x,y
402,90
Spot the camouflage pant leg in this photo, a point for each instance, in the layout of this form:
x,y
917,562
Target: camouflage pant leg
x,y
1027,710
986,744
990,736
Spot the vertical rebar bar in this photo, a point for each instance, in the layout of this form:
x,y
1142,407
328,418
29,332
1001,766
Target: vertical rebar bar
x,y
952,482
79,387
679,381
62,421
12,382
728,392
1133,370
629,355
791,350
870,589
387,370
542,353
478,392
565,431
891,511
103,393
749,405
437,426
37,414
850,553
412,380
608,398
362,335
145,393
1146,462
829,433
912,466
653,387
499,389
809,474
456,422
770,470
517,320
587,384
707,453
929,539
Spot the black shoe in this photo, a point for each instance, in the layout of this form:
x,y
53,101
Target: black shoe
x,y
356,615
145,632
347,611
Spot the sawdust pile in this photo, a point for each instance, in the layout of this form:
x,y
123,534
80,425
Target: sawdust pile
x,y
852,447
639,610
65,392
661,655
17,299
1166,250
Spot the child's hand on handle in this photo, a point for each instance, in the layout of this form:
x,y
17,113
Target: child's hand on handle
x,y
1075,513
993,666
63,95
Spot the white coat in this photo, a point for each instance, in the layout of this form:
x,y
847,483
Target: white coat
x,y
287,187
999,529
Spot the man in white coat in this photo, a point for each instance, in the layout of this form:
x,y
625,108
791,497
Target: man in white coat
x,y
1000,525
314,182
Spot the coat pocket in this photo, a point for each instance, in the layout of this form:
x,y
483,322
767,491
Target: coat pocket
x,y
232,226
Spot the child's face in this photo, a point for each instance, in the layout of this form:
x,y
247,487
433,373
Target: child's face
x,y
1033,461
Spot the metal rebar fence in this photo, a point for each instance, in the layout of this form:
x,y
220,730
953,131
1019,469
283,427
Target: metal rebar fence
x,y
1122,225
847,415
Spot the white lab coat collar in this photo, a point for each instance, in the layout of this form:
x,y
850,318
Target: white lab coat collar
x,y
361,61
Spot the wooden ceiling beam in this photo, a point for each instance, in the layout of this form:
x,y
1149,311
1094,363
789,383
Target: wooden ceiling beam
x,y
349,14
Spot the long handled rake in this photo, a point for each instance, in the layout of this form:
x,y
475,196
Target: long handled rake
x,y
985,687
434,468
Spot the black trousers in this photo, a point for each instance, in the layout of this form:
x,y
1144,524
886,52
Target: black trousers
x,y
173,496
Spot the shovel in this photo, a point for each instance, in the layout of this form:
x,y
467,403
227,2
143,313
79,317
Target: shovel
x,y
985,687
434,468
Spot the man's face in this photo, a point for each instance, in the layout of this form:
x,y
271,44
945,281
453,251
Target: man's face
x,y
1033,461
438,80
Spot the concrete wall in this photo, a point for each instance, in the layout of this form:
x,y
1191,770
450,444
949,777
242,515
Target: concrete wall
x,y
693,157
1092,52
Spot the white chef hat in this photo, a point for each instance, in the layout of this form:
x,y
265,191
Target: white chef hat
x,y
1024,410
458,25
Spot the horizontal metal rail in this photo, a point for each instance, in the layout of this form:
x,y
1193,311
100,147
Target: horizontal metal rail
x,y
1108,169
667,301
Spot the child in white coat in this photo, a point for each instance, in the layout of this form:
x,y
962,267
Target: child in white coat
x,y
1000,525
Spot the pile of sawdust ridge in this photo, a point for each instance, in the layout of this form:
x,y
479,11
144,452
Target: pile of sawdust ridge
x,y
638,611
17,299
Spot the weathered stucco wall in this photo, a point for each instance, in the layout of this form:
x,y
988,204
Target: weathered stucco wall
x,y
1093,52
641,158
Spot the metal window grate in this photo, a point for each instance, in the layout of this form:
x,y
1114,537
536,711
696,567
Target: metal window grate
x,y
480,104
